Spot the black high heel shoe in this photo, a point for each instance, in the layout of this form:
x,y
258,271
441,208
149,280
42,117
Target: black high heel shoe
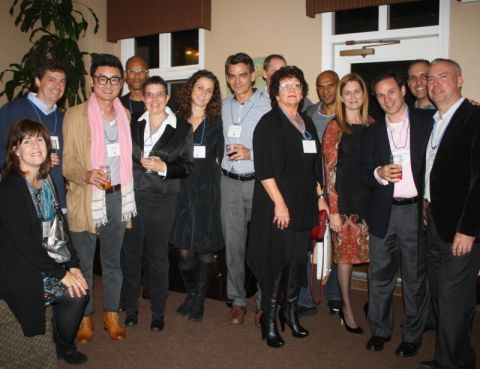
x,y
349,329
290,318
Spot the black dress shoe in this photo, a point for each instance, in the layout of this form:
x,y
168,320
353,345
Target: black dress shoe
x,y
376,343
407,349
131,318
157,324
427,365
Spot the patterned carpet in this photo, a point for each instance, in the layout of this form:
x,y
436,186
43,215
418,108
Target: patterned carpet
x,y
214,344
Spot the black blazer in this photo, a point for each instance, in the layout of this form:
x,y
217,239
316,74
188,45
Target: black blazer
x,y
175,148
22,256
455,176
375,151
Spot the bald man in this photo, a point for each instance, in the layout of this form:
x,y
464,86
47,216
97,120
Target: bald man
x,y
136,73
322,113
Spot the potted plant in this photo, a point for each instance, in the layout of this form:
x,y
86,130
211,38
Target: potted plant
x,y
55,26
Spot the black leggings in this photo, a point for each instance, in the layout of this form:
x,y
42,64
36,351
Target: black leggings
x,y
67,314
188,259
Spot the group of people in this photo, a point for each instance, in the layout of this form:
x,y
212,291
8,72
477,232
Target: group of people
x,y
249,174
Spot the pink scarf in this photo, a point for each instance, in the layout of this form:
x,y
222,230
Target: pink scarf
x,y
97,155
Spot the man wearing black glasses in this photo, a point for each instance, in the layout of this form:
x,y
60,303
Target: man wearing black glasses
x,y
98,166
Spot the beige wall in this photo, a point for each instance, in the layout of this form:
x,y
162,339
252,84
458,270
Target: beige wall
x,y
14,44
465,44
260,28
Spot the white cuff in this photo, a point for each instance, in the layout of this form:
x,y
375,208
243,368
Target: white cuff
x,y
377,177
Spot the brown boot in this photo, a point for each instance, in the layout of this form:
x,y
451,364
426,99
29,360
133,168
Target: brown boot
x,y
85,331
113,326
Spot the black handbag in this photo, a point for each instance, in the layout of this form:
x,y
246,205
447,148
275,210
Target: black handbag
x,y
56,242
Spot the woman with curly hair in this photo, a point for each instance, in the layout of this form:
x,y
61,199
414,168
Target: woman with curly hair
x,y
347,196
198,233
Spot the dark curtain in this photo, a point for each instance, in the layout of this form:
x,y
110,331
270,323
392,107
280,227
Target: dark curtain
x,y
324,6
129,19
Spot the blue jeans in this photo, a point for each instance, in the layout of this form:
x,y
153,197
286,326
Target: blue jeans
x,y
332,289
331,292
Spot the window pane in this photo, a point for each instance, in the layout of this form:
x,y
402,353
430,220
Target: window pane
x,y
356,20
148,48
417,14
185,48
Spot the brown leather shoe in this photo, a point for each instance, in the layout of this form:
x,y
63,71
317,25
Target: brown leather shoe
x,y
85,331
113,326
258,316
237,315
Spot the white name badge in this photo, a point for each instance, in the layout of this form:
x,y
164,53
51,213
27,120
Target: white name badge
x,y
401,156
309,147
45,229
113,150
199,151
55,142
234,131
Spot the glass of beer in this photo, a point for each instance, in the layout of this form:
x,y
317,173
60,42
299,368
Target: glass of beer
x,y
397,160
106,170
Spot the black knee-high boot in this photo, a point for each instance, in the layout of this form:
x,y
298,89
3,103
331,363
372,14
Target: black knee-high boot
x,y
268,320
203,274
288,312
188,276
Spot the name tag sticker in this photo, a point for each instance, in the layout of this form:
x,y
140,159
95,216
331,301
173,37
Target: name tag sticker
x,y
113,150
234,131
55,142
401,156
309,147
45,229
199,151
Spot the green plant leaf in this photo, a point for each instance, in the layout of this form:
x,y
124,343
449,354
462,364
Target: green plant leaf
x,y
54,28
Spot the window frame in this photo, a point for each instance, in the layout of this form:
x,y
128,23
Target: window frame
x,y
329,39
165,70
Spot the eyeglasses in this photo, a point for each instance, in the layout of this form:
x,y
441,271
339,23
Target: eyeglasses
x,y
291,86
114,81
151,95
140,71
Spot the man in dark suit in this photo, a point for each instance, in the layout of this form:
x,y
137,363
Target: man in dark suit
x,y
391,166
452,215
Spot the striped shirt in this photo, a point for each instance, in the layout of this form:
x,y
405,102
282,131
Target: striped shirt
x,y
246,116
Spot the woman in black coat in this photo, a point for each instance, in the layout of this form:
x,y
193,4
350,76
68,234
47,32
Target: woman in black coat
x,y
30,279
162,154
286,201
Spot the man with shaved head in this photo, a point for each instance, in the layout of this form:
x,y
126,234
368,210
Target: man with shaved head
x,y
322,113
136,73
